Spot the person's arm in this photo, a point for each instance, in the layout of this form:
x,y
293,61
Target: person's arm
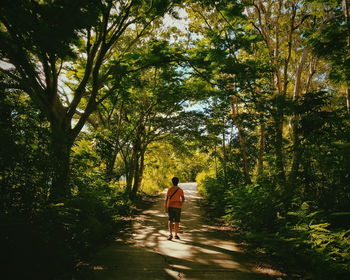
x,y
182,197
166,203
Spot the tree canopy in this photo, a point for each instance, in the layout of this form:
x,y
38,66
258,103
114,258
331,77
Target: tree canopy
x,y
104,101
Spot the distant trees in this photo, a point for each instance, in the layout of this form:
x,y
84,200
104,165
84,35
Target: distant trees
x,y
96,91
146,108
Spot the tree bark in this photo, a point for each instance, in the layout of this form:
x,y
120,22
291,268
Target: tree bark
x,y
216,162
138,174
110,166
111,162
136,154
136,170
242,140
346,7
129,172
261,148
281,176
295,122
224,163
266,20
142,167
312,71
348,99
61,143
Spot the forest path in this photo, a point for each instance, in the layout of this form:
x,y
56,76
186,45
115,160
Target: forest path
x,y
204,251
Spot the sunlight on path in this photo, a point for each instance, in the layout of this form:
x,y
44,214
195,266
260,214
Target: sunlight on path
x,y
203,252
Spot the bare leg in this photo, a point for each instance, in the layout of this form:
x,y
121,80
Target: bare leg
x,y
177,224
170,226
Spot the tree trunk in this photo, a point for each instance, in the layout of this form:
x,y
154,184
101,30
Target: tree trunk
x,y
138,175
348,99
216,162
296,157
134,189
129,172
61,144
127,169
224,154
261,148
110,164
346,7
142,167
295,124
128,180
281,176
312,71
242,141
134,167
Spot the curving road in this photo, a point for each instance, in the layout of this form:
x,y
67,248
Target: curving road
x,y
204,252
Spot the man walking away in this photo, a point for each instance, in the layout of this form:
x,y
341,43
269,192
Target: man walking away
x,y
173,202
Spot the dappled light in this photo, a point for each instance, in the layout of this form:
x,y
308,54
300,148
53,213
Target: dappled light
x,y
201,252
103,104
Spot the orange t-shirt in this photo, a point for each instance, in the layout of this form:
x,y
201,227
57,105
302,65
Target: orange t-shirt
x,y
177,199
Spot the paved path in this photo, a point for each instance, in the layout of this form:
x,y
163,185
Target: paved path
x,y
203,252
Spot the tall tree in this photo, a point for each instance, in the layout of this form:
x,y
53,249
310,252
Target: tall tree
x,y
330,40
49,38
221,56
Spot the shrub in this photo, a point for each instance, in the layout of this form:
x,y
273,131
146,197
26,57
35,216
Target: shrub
x,y
254,207
327,250
214,191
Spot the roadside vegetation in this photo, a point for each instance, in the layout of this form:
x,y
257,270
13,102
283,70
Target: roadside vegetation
x,y
102,102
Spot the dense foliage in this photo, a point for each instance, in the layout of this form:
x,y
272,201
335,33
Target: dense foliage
x,y
281,171
102,101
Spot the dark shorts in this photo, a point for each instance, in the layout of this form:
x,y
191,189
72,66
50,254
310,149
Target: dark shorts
x,y
174,214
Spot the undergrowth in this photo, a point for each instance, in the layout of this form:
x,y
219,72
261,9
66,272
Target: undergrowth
x,y
303,236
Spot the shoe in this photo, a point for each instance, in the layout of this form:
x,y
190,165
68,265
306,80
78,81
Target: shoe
x,y
177,237
170,237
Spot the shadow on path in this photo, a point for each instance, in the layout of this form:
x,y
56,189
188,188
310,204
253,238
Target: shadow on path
x,y
202,253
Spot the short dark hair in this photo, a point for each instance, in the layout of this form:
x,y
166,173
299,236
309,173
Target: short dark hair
x,y
175,181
